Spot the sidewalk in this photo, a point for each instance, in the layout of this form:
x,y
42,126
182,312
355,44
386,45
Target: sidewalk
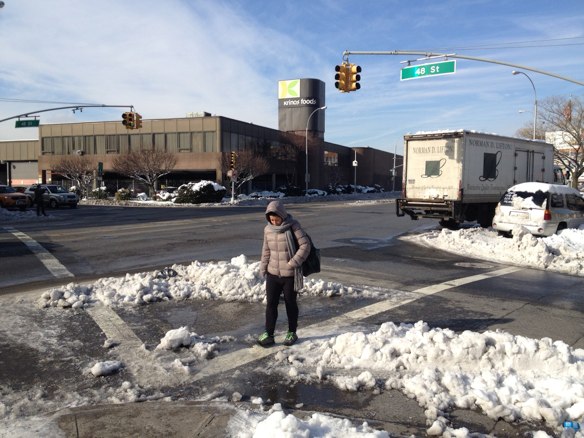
x,y
211,419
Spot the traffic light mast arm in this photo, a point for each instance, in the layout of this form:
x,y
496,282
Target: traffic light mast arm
x,y
346,54
75,107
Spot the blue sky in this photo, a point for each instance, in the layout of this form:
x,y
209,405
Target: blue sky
x,y
172,57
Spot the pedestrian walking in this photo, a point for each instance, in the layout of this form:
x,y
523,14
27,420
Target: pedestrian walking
x,y
285,247
39,199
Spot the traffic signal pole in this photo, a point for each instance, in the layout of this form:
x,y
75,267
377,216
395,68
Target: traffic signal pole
x,y
74,108
346,54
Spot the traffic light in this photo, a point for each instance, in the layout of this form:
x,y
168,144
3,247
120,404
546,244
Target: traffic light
x,y
341,77
138,121
232,162
126,120
354,77
129,120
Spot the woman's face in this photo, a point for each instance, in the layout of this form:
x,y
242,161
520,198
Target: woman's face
x,y
275,219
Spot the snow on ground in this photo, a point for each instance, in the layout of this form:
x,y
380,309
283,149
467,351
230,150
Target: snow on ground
x,y
500,374
562,252
236,280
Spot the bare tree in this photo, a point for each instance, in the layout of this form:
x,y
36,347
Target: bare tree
x,y
566,115
77,168
248,165
146,166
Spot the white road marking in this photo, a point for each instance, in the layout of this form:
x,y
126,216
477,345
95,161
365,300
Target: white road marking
x,y
131,351
51,263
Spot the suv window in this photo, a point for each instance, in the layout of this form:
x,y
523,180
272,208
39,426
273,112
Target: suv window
x,y
557,200
575,202
538,198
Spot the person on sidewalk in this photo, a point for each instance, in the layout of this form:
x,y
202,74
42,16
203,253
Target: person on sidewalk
x,y
39,199
284,249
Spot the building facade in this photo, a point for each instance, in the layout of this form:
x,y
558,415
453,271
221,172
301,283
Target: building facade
x,y
200,144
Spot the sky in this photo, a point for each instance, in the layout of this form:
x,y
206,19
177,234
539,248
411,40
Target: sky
x,y
502,374
226,57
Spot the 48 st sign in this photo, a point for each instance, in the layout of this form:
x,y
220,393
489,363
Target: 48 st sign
x,y
424,70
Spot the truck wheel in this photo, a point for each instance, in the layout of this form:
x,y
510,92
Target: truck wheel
x,y
485,216
53,203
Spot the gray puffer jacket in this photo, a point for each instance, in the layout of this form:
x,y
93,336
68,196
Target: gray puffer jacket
x,y
275,257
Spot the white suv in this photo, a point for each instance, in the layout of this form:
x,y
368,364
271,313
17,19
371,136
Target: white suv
x,y
55,195
541,208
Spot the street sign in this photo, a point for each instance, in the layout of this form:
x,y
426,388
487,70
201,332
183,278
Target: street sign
x,y
31,123
424,70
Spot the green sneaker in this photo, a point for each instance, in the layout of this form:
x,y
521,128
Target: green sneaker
x,y
290,338
265,339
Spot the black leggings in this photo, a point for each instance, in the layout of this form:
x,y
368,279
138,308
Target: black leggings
x,y
274,287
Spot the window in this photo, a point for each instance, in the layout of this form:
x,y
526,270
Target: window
x,y
47,147
112,144
172,142
184,142
147,141
159,143
89,142
575,202
197,141
100,144
209,141
557,200
78,143
135,143
331,158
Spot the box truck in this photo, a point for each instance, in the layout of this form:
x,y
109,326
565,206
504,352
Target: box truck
x,y
458,176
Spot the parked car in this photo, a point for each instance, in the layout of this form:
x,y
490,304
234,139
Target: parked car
x,y
10,198
55,196
541,208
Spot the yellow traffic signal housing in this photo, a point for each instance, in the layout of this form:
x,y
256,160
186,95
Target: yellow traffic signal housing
x,y
233,160
353,77
130,120
126,120
137,121
341,77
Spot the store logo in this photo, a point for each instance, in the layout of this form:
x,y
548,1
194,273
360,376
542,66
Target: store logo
x,y
289,89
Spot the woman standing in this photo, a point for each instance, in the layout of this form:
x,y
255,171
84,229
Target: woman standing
x,y
285,248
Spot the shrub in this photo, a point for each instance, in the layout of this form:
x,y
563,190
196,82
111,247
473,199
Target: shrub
x,y
99,193
123,195
200,193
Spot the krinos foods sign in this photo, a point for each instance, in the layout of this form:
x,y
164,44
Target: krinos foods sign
x,y
289,94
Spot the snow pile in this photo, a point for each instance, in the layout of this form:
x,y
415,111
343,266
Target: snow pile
x,y
505,376
278,424
562,252
106,368
199,347
237,280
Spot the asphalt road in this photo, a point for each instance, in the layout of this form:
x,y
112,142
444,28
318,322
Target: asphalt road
x,y
360,246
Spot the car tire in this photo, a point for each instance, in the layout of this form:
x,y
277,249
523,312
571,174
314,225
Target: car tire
x,y
53,203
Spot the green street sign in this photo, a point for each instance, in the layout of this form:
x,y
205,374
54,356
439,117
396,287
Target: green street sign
x,y
32,123
424,70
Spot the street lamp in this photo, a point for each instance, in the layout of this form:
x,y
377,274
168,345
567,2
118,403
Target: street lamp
x,y
515,72
306,147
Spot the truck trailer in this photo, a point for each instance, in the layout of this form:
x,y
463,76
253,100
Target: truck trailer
x,y
458,176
